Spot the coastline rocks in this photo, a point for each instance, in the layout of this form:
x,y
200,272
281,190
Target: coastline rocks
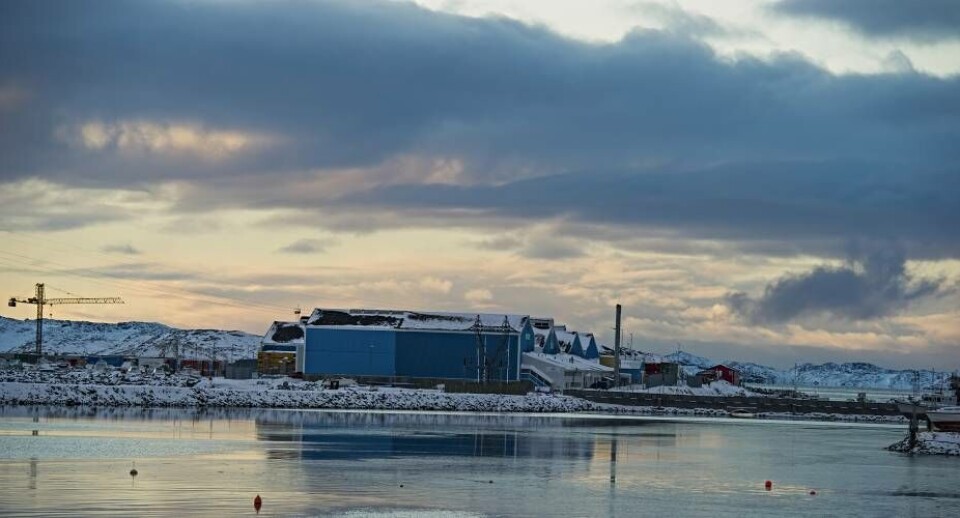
x,y
930,443
14,393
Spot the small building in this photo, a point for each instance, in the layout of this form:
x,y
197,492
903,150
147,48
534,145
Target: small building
x,y
722,373
151,364
660,373
282,348
203,367
631,363
111,360
241,369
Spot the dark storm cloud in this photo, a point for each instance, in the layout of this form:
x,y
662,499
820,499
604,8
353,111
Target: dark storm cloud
x,y
921,19
870,285
340,83
795,203
626,134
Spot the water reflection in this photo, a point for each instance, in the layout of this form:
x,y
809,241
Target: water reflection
x,y
213,461
358,436
33,473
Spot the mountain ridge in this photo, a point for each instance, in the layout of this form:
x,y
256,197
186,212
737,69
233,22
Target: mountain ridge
x,y
126,338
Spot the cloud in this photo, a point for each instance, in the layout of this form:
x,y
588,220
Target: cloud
x,y
820,206
429,119
124,249
193,224
869,285
308,246
479,296
140,136
436,285
35,204
499,243
919,19
552,247
676,19
12,97
494,98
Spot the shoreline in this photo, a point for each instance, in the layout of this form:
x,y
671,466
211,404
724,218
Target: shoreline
x,y
92,388
220,394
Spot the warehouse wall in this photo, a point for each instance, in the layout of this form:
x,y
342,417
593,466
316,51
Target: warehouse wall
x,y
454,354
357,352
423,354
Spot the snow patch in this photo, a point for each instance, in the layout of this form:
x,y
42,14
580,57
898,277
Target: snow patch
x,y
930,443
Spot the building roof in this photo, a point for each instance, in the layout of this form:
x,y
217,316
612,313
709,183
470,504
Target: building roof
x,y
402,319
569,362
722,366
284,333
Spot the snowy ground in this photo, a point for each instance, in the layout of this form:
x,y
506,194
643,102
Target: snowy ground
x,y
931,443
115,389
71,388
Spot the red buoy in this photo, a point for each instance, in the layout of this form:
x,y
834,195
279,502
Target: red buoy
x,y
257,503
768,485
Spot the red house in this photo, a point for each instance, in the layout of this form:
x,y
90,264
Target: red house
x,y
728,374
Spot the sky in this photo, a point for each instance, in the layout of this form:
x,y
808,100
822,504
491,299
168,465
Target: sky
x,y
769,181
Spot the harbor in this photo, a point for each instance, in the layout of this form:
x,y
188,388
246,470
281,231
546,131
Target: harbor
x,y
198,462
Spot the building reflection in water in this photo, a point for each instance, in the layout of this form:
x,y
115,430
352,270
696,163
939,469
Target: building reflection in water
x,y
33,473
358,436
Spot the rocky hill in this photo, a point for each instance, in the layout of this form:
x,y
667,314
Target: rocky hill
x,y
852,375
126,338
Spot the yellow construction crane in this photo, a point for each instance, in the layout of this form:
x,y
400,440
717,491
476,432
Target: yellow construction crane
x,y
40,301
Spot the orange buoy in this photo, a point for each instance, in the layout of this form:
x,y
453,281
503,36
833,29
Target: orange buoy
x,y
257,503
768,485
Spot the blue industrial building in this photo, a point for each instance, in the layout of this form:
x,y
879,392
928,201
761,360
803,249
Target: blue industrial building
x,y
419,345
406,345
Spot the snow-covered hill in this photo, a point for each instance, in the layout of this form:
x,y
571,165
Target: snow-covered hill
x,y
126,338
851,375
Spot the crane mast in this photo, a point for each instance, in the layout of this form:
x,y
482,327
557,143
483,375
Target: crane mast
x,y
40,300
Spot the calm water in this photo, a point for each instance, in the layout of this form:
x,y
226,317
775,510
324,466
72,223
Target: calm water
x,y
308,463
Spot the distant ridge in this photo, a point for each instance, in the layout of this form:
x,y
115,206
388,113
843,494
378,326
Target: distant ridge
x,y
849,375
126,338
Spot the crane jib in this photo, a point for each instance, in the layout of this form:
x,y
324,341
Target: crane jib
x,y
40,301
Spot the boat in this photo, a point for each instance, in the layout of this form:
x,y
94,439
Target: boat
x,y
742,413
927,402
945,419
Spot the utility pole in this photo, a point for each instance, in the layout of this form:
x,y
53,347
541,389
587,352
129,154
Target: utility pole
x,y
481,351
40,300
616,349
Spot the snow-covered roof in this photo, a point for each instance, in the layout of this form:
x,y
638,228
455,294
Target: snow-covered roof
x,y
569,362
284,333
402,319
563,336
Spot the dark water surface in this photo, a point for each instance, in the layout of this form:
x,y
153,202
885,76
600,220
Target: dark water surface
x,y
70,462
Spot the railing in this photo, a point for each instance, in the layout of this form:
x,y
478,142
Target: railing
x,y
534,377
